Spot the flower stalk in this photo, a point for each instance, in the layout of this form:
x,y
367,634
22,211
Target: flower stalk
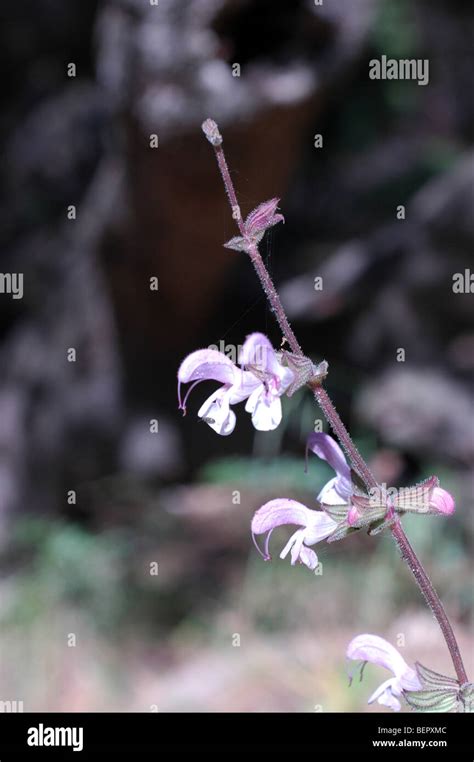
x,y
249,243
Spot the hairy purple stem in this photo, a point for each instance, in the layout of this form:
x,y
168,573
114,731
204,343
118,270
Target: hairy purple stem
x,y
430,595
407,553
212,133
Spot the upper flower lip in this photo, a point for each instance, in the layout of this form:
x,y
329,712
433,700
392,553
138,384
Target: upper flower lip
x,y
339,488
377,650
209,364
314,526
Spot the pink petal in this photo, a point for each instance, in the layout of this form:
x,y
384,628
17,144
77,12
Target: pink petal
x,y
326,448
353,515
280,511
376,650
442,501
206,364
258,353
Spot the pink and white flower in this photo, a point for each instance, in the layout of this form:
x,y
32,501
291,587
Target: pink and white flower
x,y
314,526
426,497
376,650
264,403
261,380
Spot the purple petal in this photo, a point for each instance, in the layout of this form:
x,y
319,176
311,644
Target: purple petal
x,y
206,364
243,385
278,512
376,650
258,353
326,448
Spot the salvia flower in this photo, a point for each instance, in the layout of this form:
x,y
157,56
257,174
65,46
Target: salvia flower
x,y
314,526
355,509
261,380
259,358
376,650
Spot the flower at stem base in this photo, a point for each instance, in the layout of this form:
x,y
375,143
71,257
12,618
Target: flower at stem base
x,y
376,650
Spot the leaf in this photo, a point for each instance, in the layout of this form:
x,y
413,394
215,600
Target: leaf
x,y
433,700
368,516
431,679
237,243
416,499
379,526
336,512
340,532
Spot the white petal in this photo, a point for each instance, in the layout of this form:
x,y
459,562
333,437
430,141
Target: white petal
x,y
254,397
386,694
330,493
266,411
244,384
286,377
320,526
309,558
215,411
377,650
294,544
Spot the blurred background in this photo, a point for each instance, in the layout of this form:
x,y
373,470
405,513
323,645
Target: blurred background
x,y
108,182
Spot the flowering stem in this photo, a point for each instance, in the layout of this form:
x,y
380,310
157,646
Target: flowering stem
x,y
398,533
212,133
430,595
274,299
324,401
332,416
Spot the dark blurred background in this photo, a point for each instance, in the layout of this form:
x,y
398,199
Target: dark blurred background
x,y
90,497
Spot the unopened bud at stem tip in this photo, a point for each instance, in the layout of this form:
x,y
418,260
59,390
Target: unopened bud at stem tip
x,y
211,131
